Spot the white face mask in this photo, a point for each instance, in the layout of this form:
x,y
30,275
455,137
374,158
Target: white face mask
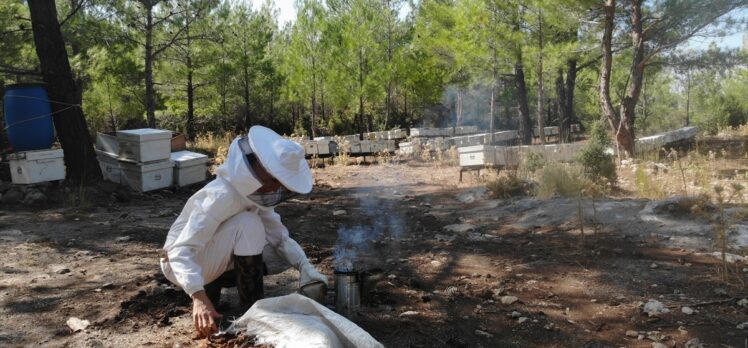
x,y
271,199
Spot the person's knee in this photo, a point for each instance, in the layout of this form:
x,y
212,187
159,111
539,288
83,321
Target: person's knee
x,y
250,237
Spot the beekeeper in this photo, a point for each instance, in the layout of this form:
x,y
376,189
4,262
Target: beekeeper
x,y
230,226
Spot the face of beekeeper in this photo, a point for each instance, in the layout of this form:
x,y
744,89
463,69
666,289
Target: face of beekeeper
x,y
269,183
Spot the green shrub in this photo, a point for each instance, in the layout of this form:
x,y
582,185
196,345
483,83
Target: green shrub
x,y
560,180
597,163
507,187
532,162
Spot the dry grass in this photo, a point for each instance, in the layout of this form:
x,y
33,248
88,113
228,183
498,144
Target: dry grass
x,y
215,145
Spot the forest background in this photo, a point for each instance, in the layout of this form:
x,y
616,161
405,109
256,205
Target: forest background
x,y
349,66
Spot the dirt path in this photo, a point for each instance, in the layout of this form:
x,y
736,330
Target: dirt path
x,y
442,288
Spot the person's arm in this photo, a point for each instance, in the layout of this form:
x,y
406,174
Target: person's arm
x,y
275,231
208,211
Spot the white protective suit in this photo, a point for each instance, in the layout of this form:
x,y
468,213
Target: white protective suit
x,y
218,221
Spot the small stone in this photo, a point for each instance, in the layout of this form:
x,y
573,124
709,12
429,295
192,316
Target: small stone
x,y
507,300
122,239
654,307
408,313
391,277
742,326
107,286
13,196
694,343
653,265
482,333
451,291
743,303
339,212
720,291
522,319
594,300
60,269
686,310
76,324
515,314
34,197
682,329
632,333
658,345
459,228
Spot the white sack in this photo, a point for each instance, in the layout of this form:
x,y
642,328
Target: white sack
x,y
297,321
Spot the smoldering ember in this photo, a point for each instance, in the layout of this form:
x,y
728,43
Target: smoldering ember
x,y
363,173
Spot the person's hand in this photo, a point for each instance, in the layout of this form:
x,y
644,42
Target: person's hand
x,y
204,315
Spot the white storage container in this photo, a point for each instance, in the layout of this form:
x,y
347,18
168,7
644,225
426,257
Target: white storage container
x,y
145,177
144,145
31,167
480,155
109,164
189,167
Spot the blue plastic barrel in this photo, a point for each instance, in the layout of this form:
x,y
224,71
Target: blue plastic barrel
x,y
28,118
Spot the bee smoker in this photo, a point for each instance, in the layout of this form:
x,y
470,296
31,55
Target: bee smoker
x,y
347,292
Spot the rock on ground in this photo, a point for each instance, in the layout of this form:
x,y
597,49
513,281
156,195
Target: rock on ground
x,y
76,324
654,307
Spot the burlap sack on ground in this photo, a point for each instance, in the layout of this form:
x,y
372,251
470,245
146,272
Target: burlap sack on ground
x,y
297,321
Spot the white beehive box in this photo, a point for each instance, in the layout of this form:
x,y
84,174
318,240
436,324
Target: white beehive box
x,y
144,145
189,167
326,147
145,177
31,167
390,146
480,155
406,148
366,146
109,164
311,148
107,143
377,146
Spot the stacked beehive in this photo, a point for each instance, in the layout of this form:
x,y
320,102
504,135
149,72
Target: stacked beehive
x,y
142,159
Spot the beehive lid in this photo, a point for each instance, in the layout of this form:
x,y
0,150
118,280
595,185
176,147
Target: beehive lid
x,y
144,134
188,158
36,155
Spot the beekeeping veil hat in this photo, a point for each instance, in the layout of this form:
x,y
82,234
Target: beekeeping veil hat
x,y
282,158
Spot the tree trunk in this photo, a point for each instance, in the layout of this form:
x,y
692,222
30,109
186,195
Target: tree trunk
x,y
458,122
688,96
245,97
493,99
72,130
541,91
571,82
361,124
190,127
623,138
625,131
563,121
150,97
525,124
314,99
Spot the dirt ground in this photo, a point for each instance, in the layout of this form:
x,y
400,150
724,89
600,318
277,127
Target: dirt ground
x,y
452,261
